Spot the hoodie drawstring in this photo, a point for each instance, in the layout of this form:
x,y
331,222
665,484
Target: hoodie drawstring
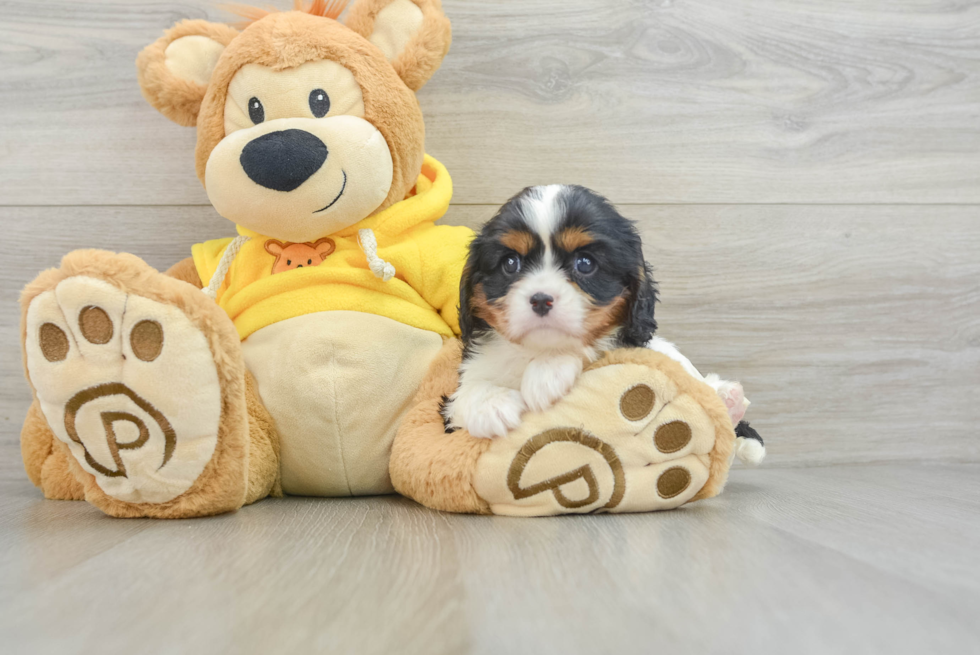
x,y
369,244
211,291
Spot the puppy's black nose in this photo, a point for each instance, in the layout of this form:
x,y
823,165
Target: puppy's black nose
x,y
541,303
283,160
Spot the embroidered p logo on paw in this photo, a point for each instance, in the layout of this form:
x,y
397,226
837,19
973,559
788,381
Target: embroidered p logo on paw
x,y
111,372
112,438
567,486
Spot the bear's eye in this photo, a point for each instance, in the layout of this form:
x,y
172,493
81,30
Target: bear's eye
x,y
289,262
319,102
256,111
309,261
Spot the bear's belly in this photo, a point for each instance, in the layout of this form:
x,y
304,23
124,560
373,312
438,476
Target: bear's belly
x,y
337,384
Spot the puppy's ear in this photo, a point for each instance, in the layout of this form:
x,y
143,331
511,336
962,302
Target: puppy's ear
x,y
174,71
466,318
638,324
413,34
471,326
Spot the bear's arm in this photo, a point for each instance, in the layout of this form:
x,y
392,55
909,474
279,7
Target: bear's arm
x,y
186,271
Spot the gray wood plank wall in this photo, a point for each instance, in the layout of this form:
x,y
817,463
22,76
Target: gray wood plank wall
x,y
806,176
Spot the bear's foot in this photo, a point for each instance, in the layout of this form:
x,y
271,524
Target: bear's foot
x,y
141,376
635,434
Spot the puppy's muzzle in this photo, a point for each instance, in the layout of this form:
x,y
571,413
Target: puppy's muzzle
x,y
283,160
541,303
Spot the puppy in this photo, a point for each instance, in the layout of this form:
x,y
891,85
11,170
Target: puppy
x,y
554,279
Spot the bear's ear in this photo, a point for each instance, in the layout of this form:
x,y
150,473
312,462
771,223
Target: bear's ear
x,y
174,71
413,34
274,247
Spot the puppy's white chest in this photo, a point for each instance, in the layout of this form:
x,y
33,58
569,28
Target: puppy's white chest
x,y
508,364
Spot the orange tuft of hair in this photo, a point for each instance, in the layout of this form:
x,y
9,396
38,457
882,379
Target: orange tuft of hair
x,y
324,8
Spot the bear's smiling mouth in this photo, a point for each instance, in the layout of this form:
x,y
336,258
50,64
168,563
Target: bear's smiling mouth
x,y
334,201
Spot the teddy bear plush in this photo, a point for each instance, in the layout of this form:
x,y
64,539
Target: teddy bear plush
x,y
309,354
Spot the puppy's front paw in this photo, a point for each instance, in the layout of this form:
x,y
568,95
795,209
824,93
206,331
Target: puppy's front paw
x,y
486,411
547,380
499,413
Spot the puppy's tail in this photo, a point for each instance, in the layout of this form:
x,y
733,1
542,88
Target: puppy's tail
x,y
749,447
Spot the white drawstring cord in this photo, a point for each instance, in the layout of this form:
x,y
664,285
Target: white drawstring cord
x,y
369,244
211,291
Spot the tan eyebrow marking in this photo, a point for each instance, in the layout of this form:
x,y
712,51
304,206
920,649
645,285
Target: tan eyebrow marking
x,y
518,240
572,238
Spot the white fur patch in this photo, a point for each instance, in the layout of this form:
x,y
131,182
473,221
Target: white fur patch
x,y
665,347
500,380
542,211
568,310
749,451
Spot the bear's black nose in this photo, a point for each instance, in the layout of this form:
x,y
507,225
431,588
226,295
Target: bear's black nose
x,y
283,160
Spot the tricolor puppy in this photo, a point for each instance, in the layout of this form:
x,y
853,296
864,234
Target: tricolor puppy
x,y
555,278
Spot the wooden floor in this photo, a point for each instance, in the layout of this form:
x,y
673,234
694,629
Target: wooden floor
x,y
806,177
850,559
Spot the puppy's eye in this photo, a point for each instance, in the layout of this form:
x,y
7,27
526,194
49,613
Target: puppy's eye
x,y
511,264
319,102
256,111
585,265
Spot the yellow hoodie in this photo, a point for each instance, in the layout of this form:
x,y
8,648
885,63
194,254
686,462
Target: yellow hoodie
x,y
428,261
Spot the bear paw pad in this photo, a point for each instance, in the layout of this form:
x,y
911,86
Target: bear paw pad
x,y
629,437
112,372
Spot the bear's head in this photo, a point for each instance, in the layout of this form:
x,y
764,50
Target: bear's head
x,y
305,126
